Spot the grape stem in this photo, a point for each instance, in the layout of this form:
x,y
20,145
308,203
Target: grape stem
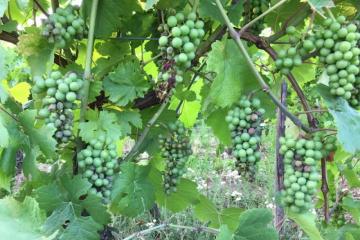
x,y
195,5
38,5
88,61
8,113
312,111
196,74
259,78
252,22
330,13
135,150
144,63
279,165
54,5
165,226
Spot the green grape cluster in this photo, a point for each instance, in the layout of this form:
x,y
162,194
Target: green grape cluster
x,y
97,162
178,42
244,122
254,8
301,175
336,43
59,102
338,219
355,96
290,57
175,148
287,60
63,26
328,141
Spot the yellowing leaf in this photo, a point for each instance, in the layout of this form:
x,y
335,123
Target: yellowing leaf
x,y
21,92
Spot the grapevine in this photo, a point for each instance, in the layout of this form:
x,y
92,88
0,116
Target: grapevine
x,y
176,149
244,122
61,93
63,26
78,158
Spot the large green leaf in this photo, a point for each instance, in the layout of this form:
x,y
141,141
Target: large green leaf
x,y
38,136
275,19
61,216
20,220
3,6
100,123
4,140
208,9
347,120
306,221
125,83
225,233
346,232
319,4
83,228
233,76
207,212
128,118
216,121
132,192
71,191
255,224
353,207
352,178
185,195
37,51
109,14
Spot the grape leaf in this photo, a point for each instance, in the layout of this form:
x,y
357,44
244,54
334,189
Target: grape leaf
x,y
132,192
216,120
3,6
38,136
150,4
113,51
37,51
306,221
83,228
319,4
125,83
62,215
351,178
74,191
206,211
208,9
109,14
224,234
185,195
9,26
353,207
275,19
95,89
254,225
5,181
346,118
20,220
129,117
151,144
102,123
4,140
49,196
233,75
